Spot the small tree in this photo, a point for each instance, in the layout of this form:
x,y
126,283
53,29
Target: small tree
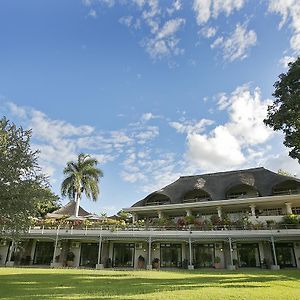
x,y
23,187
284,113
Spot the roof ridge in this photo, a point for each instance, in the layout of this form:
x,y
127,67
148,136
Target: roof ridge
x,y
225,172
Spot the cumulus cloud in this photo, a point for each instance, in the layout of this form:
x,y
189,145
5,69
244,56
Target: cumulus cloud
x,y
236,45
234,143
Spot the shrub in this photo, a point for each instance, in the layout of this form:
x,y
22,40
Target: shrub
x,y
290,219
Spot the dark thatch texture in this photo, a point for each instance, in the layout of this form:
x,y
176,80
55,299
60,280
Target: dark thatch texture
x,y
218,184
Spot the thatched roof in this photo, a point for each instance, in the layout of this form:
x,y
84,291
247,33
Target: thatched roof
x,y
218,184
68,210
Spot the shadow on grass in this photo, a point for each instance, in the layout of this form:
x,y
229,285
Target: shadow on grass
x,y
93,285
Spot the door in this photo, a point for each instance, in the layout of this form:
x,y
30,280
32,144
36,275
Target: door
x,y
170,255
123,255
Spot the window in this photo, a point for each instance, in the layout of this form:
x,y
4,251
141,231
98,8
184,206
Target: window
x,y
158,199
196,196
288,187
242,191
296,210
170,255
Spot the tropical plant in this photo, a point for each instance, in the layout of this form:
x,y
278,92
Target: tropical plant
x,y
290,219
81,177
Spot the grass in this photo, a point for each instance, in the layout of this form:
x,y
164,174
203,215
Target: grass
x,y
31,283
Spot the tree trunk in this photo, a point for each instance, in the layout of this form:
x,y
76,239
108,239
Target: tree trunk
x,y
77,205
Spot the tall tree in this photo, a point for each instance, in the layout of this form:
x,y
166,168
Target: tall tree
x,y
23,187
81,177
284,113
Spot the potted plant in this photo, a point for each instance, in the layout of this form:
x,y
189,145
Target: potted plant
x,y
70,259
155,263
217,262
141,262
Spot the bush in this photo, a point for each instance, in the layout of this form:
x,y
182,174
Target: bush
x,y
290,219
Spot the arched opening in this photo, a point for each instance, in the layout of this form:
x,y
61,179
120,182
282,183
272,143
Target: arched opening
x,y
196,195
158,199
288,187
242,191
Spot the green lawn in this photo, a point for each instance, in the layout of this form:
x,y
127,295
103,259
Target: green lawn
x,y
31,283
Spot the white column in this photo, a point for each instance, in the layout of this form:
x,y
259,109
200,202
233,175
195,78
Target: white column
x,y
10,263
219,209
190,266
252,207
149,266
134,218
53,264
99,266
160,214
188,212
275,266
231,266
288,208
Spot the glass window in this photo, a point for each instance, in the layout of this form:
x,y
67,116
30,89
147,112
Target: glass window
x,y
285,254
123,255
203,255
170,255
89,254
248,255
43,253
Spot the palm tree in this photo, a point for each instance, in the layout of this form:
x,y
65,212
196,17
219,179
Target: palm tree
x,y
81,177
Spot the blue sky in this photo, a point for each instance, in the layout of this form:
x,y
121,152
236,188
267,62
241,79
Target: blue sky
x,y
153,89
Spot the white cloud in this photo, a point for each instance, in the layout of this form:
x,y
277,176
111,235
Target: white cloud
x,y
237,44
208,32
290,12
92,13
164,42
126,20
232,144
284,61
191,126
205,9
148,116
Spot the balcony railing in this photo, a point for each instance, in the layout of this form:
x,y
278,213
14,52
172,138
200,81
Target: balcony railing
x,y
112,228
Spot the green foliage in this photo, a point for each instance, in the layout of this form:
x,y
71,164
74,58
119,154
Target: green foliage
x,y
81,177
217,260
124,215
189,219
23,188
290,219
284,113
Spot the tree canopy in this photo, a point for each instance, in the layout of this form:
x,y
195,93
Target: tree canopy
x,y
23,187
284,113
81,177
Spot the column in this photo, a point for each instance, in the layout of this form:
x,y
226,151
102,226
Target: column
x,y
219,209
252,207
149,266
160,214
275,266
190,266
231,266
54,263
188,213
10,263
134,218
288,208
99,266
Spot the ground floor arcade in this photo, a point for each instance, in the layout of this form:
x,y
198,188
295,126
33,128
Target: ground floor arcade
x,y
152,253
